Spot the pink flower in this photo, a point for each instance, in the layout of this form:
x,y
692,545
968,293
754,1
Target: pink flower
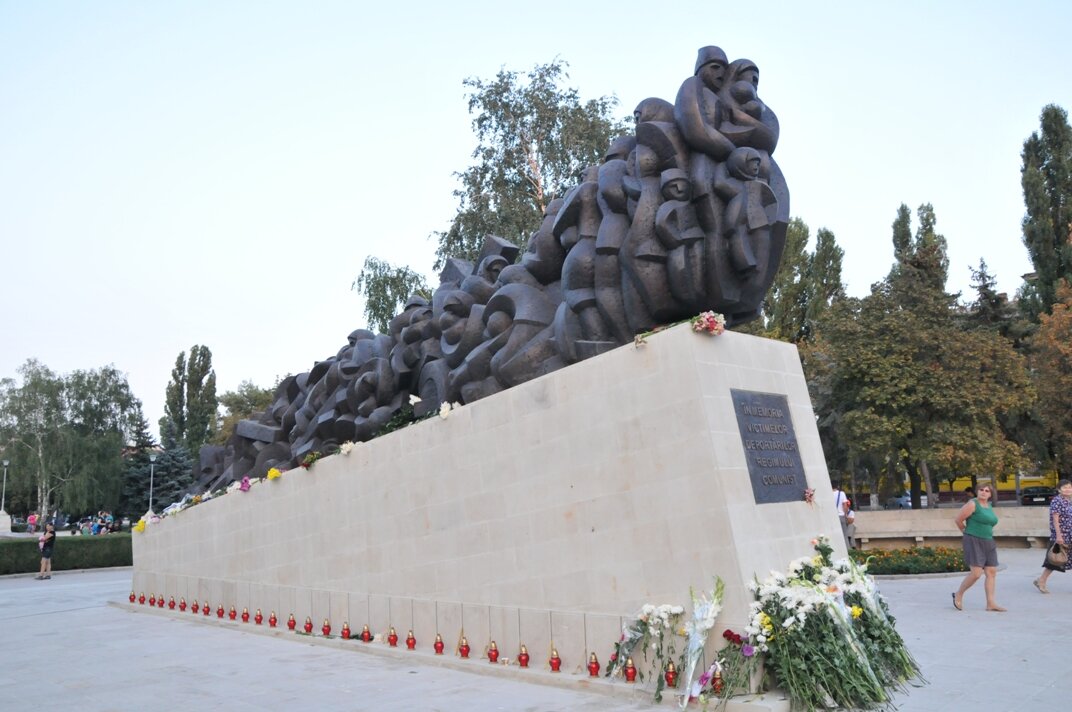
x,y
245,484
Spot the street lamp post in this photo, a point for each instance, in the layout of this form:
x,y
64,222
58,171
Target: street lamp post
x,y
152,465
3,497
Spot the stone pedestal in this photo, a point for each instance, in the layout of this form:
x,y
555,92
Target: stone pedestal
x,y
546,513
5,522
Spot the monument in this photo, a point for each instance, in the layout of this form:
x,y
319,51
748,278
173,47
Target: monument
x,y
576,473
687,214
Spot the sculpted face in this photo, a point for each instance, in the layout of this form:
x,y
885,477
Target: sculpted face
x,y
677,189
713,75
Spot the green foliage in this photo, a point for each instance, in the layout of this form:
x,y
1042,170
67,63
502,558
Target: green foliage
x,y
386,289
244,402
805,286
172,472
190,402
1046,178
896,377
1051,360
135,495
20,556
915,560
535,137
65,436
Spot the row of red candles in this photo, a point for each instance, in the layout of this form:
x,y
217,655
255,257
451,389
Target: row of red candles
x,y
555,662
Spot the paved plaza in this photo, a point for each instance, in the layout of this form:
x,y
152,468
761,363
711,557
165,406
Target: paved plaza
x,y
67,647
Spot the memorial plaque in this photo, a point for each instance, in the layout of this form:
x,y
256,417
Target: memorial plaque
x,y
770,446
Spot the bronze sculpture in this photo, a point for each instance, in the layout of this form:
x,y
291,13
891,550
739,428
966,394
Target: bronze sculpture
x,y
689,214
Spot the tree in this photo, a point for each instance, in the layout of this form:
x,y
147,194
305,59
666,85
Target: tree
x,y
786,305
1046,178
805,286
173,470
534,137
136,474
1052,361
823,280
244,402
386,289
190,402
897,379
67,434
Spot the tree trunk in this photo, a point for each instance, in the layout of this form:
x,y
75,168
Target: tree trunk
x,y
914,482
932,499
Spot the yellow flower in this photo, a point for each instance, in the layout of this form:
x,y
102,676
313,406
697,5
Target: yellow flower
x,y
274,474
857,611
140,526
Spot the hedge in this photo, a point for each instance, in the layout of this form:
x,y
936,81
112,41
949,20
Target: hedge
x,y
915,560
20,556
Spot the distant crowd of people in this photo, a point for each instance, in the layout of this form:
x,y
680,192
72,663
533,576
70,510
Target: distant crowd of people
x,y
103,523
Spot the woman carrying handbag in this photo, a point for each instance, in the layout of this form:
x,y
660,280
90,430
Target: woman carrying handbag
x,y
1060,533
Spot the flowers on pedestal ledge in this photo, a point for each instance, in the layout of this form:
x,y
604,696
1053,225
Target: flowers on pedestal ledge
x,y
309,459
445,408
139,527
809,496
245,484
346,447
707,322
274,474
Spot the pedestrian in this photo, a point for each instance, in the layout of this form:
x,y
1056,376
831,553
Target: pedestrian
x,y
850,527
48,541
842,506
977,519
1060,531
31,522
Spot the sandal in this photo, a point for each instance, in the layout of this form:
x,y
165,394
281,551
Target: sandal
x,y
956,605
1040,587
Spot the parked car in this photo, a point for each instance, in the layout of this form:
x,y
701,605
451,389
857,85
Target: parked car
x,y
1037,496
904,501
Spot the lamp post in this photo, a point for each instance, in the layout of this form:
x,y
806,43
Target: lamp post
x,y
152,465
3,497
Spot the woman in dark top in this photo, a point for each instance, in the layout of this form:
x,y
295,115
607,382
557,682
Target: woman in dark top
x,y
1060,530
977,520
47,543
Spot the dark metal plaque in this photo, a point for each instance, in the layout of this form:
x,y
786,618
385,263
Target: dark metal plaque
x,y
770,446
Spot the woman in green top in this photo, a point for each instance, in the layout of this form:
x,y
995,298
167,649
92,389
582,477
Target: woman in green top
x,y
977,519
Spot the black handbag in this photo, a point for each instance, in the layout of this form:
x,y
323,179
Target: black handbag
x,y
1057,555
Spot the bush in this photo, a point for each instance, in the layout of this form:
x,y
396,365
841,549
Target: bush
x,y
915,560
20,556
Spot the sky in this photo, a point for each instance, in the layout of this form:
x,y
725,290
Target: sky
x,y
216,172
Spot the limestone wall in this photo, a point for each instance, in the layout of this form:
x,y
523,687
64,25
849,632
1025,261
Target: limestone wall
x,y
547,511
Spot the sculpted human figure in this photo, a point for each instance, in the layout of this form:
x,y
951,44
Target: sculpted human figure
x,y
698,113
613,227
577,227
680,233
747,120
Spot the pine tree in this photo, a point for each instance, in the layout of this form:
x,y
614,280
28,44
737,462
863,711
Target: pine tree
x,y
173,471
135,496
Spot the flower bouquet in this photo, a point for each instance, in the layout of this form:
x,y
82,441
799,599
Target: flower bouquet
x,y
826,634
